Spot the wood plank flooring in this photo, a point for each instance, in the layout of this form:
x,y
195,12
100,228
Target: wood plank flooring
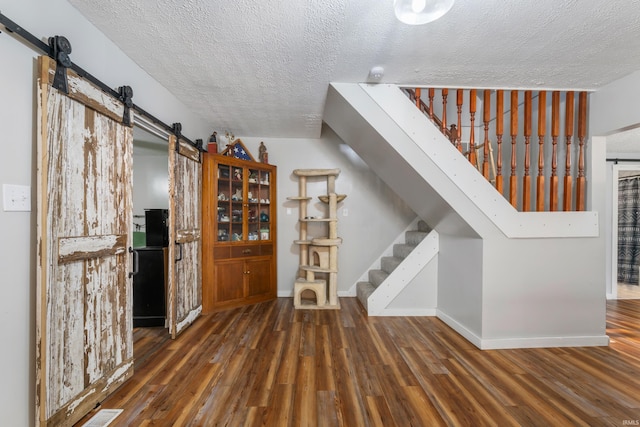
x,y
271,365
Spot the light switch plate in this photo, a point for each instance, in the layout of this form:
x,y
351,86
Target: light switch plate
x,y
16,198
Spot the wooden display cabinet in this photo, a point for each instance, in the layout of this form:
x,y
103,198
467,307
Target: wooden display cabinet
x,y
239,232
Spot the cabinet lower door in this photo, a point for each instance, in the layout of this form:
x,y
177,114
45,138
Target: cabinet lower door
x,y
259,277
229,281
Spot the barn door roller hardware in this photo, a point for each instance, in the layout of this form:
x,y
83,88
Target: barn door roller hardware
x,y
59,49
176,129
126,93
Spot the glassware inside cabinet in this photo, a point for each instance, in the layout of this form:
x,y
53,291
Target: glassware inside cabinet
x,y
224,203
264,206
237,209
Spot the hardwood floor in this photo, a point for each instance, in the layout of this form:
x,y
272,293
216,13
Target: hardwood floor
x,y
271,365
626,291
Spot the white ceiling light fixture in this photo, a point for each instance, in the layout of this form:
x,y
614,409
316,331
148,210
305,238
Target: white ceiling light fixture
x,y
418,12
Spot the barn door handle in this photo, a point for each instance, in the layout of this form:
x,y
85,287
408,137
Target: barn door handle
x,y
179,256
136,262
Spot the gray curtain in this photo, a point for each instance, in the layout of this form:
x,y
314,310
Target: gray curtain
x,y
628,230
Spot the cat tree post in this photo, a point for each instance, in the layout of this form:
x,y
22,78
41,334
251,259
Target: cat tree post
x,y
318,255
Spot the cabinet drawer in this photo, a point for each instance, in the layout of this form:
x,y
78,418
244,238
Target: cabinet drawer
x,y
245,251
221,252
266,249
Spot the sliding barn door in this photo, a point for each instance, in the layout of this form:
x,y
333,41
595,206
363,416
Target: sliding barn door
x,y
185,272
84,345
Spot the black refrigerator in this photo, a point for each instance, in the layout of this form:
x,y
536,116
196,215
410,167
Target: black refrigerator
x,y
149,302
157,227
149,283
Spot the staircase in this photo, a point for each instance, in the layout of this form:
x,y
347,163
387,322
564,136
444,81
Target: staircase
x,y
390,263
499,277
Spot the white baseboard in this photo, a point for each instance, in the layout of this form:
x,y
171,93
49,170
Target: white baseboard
x,y
524,342
540,342
416,312
459,328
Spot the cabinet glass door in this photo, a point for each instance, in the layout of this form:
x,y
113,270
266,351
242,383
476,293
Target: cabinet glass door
x,y
262,204
225,192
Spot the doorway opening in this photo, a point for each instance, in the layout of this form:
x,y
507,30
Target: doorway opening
x,y
150,238
626,231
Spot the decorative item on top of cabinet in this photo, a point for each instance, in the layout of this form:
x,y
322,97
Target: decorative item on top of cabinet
x,y
239,232
212,146
235,148
318,267
264,156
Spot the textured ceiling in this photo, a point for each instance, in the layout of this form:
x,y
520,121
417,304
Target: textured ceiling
x,y
262,68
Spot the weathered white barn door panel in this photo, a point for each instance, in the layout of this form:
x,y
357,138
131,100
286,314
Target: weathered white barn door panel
x,y
84,317
185,275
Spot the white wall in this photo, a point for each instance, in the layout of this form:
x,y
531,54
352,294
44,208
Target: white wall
x,y
613,109
550,293
375,214
460,283
150,181
96,54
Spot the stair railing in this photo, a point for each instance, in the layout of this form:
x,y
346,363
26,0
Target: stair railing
x,y
524,193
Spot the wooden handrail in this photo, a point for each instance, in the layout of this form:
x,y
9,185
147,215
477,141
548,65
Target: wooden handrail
x,y
481,155
428,110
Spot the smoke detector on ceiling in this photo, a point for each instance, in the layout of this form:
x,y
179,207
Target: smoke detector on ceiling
x,y
376,74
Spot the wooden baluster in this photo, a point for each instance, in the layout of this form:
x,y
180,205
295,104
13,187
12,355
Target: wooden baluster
x,y
513,186
459,102
445,92
542,130
417,97
568,131
472,114
555,131
486,119
432,94
499,131
526,178
582,133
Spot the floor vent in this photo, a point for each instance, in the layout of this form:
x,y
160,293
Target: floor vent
x,y
103,418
